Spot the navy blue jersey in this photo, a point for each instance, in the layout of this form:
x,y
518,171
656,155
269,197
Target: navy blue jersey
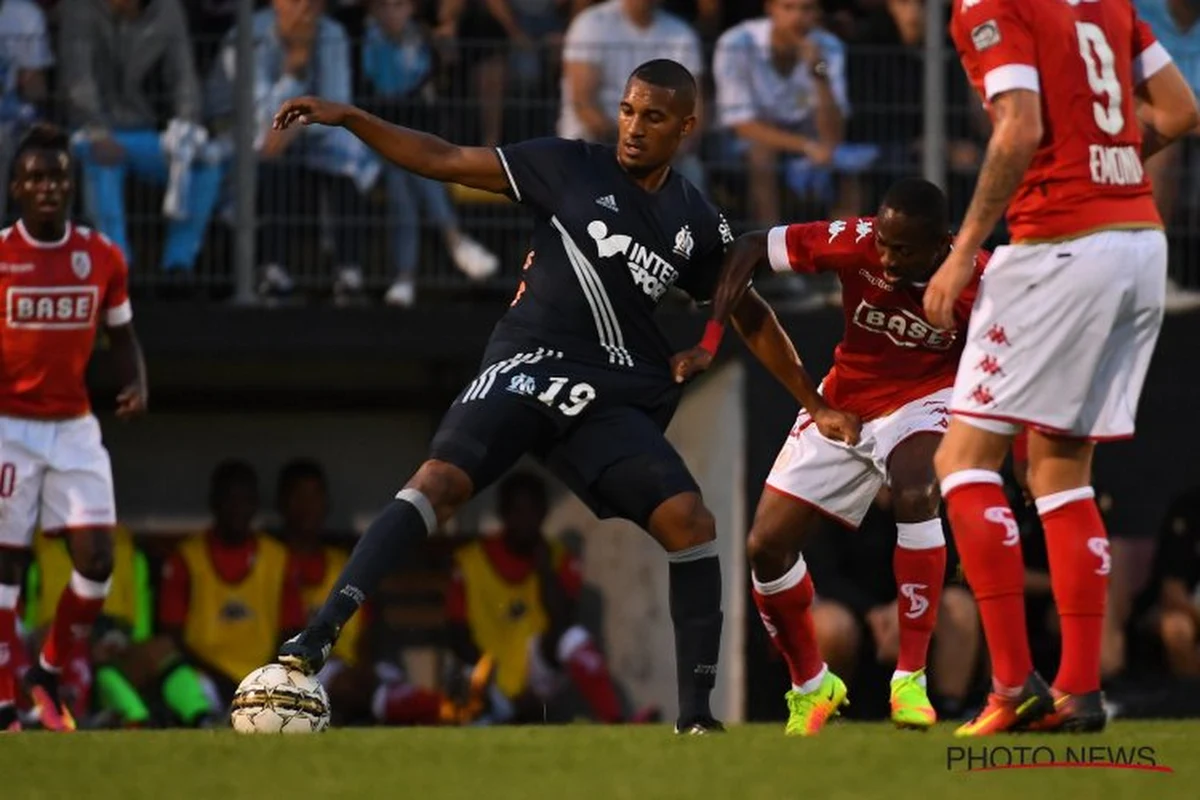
x,y
604,253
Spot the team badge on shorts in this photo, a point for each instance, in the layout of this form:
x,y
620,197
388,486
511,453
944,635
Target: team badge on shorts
x,y
81,264
522,384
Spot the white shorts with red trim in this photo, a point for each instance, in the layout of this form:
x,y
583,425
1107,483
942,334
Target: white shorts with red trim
x,y
840,480
1062,333
53,473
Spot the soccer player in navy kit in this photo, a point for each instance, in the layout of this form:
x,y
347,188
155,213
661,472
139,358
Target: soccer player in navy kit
x,y
577,373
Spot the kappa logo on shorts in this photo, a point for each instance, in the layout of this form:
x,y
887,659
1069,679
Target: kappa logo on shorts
x,y
522,384
903,328
982,395
997,335
990,365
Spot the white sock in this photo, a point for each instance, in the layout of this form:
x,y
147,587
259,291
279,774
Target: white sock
x,y
812,684
903,673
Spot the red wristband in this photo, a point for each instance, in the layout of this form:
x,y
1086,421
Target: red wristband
x,y
713,332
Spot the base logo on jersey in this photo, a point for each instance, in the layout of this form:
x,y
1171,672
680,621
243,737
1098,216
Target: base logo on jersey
x,y
58,307
985,35
81,264
903,328
652,273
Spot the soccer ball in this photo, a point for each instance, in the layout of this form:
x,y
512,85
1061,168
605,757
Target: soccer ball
x,y
275,699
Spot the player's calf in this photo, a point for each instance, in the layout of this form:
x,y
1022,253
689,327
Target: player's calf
x,y
10,594
686,528
82,599
433,494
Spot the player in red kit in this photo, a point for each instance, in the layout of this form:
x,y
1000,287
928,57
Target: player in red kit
x,y
59,281
894,370
1065,324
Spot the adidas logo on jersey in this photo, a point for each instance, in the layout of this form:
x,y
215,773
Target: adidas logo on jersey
x,y
609,202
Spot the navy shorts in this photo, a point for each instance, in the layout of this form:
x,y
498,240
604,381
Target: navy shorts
x,y
600,430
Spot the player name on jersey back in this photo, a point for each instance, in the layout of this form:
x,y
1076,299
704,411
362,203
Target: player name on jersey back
x,y
1084,59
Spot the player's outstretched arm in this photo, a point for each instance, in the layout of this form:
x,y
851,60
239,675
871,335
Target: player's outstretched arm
x,y
420,153
759,328
1168,109
131,370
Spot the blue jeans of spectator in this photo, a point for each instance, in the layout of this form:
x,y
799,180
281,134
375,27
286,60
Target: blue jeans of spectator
x,y
104,195
407,196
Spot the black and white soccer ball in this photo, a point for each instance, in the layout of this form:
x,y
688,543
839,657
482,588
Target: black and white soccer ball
x,y
276,699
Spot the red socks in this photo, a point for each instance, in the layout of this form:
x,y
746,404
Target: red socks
x,y
1079,567
989,545
784,605
78,608
585,665
9,595
919,564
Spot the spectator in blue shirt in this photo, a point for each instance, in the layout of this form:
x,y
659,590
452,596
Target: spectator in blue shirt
x,y
112,50
299,51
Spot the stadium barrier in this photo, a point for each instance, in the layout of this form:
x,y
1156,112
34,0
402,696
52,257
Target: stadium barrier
x,y
315,221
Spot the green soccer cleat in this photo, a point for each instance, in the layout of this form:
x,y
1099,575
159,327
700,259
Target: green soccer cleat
x,y
910,702
809,711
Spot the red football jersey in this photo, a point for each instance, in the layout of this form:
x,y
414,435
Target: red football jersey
x,y
890,354
53,295
1084,58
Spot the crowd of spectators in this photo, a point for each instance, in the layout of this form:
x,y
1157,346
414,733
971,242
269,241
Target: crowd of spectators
x,y
811,107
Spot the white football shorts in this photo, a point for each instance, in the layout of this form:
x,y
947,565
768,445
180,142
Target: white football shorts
x,y
840,480
1062,334
53,473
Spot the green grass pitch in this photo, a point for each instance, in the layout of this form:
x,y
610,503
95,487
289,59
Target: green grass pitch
x,y
580,761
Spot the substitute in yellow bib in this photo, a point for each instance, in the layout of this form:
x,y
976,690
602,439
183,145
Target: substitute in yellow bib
x,y
123,662
513,598
227,595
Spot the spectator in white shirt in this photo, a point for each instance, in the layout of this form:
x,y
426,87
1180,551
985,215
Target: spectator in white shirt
x,y
603,45
24,58
781,92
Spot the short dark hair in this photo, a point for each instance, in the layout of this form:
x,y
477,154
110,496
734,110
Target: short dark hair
x,y
667,74
230,473
296,471
42,136
521,484
921,201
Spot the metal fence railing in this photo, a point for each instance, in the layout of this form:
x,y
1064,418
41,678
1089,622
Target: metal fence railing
x,y
322,208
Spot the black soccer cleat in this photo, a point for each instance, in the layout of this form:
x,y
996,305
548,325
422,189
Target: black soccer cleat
x,y
308,650
699,726
1074,713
